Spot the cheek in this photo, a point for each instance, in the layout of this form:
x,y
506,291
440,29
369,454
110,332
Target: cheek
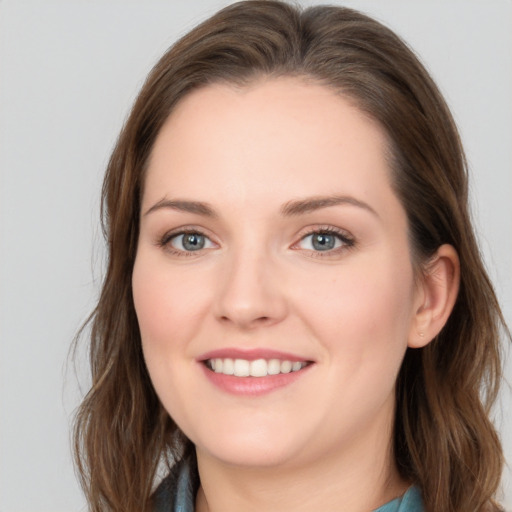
x,y
362,322
152,304
168,304
363,315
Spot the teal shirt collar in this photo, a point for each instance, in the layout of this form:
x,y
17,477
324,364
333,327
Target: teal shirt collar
x,y
410,502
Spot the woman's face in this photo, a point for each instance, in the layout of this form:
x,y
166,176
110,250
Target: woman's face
x,y
272,244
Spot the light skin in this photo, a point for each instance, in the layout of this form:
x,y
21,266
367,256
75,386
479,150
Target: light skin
x,y
303,249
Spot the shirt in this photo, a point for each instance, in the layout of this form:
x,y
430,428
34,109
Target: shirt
x,y
177,493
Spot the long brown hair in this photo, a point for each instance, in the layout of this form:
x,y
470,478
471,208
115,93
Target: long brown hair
x,y
444,440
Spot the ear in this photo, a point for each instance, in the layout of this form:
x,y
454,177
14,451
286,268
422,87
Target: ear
x,y
435,297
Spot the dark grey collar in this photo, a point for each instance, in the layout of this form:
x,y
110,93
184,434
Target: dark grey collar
x,y
177,492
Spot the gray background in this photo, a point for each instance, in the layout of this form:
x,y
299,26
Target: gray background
x,y
69,71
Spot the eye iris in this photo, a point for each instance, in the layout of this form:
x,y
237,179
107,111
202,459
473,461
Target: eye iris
x,y
323,241
193,241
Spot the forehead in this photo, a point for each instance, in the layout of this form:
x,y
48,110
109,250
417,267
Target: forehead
x,y
283,135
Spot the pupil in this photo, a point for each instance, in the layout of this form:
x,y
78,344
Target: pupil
x,y
193,242
323,242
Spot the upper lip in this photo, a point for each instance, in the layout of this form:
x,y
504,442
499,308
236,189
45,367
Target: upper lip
x,y
251,354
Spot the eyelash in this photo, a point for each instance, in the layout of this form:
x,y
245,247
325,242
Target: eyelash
x,y
347,241
165,241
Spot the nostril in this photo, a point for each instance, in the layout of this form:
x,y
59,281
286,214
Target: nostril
x,y
262,320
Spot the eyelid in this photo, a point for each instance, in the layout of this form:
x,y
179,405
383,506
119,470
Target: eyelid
x,y
347,239
164,241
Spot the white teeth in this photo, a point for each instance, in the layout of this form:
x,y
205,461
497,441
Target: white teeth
x,y
286,366
228,367
274,367
241,368
297,365
217,365
256,368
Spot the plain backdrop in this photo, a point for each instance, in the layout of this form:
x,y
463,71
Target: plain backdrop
x,y
69,71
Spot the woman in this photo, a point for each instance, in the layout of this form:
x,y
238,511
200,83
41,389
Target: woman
x,y
295,315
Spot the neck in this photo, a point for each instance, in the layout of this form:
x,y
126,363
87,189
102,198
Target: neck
x,y
362,478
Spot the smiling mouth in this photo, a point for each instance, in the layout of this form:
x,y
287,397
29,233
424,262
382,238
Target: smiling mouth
x,y
254,368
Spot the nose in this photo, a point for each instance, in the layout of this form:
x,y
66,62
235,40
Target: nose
x,y
250,291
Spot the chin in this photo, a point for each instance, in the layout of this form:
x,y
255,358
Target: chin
x,y
250,448
248,456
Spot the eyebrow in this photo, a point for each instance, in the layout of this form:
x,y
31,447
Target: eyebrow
x,y
197,207
289,209
310,204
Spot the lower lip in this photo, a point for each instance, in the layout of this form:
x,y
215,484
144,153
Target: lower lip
x,y
253,386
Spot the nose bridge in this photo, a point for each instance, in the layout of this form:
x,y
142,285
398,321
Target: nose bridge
x,y
250,291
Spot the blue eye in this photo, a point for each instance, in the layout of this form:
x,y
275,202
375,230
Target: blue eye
x,y
190,242
324,241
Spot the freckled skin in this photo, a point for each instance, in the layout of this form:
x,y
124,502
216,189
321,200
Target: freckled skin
x,y
258,283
